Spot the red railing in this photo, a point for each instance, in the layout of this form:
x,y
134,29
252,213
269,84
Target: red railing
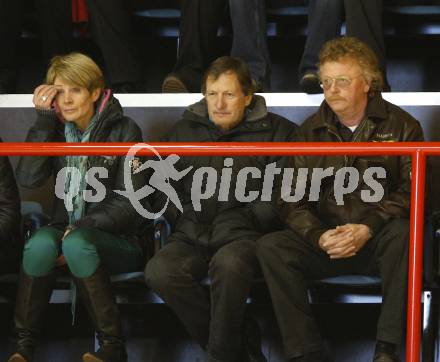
x,y
418,152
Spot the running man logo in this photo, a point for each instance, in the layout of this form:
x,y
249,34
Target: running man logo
x,y
163,171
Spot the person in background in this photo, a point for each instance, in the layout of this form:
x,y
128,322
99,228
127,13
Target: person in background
x,y
113,33
111,29
199,23
364,21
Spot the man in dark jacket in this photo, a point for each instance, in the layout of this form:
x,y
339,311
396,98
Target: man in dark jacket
x,y
332,232
9,218
215,236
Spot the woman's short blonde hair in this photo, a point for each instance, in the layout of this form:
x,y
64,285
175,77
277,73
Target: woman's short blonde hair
x,y
352,48
76,68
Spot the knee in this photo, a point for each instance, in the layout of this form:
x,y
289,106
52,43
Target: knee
x,y
227,262
159,273
325,5
398,230
397,236
39,256
77,245
79,251
266,246
281,248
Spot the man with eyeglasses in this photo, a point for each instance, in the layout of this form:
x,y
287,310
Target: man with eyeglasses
x,y
326,238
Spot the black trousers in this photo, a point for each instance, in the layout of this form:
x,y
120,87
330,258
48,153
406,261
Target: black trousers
x,y
54,18
55,22
55,26
175,272
198,38
289,262
112,31
9,260
199,22
363,19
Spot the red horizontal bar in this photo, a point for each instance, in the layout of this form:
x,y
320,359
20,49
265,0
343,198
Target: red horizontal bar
x,y
221,148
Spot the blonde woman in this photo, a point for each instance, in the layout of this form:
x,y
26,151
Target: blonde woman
x,y
94,239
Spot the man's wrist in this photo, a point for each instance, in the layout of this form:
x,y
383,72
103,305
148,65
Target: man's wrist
x,y
370,231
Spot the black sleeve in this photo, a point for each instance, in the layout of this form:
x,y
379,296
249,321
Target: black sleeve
x,y
9,203
300,216
397,202
32,171
265,212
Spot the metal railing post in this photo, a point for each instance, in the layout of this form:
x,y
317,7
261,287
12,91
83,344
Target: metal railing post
x,y
415,264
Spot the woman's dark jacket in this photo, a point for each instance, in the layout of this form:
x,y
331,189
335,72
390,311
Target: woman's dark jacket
x,y
10,242
114,214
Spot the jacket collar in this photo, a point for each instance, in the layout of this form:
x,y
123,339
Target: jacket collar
x,y
376,111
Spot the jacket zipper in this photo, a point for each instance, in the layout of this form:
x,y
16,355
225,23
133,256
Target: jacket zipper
x,y
345,156
340,139
359,132
354,139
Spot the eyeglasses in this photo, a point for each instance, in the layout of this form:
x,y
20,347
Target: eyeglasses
x,y
340,82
